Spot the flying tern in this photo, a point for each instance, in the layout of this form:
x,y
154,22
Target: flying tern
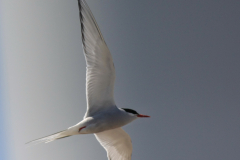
x,y
102,118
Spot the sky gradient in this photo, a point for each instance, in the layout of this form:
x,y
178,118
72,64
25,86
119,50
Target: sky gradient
x,y
177,61
3,142
3,130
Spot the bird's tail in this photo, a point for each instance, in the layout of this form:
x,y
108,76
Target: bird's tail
x,y
50,138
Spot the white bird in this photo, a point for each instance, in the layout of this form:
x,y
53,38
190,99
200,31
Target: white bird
x,y
102,118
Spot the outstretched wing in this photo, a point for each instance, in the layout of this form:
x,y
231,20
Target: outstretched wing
x,y
117,143
100,68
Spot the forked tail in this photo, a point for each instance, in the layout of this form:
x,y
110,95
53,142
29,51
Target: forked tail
x,y
50,138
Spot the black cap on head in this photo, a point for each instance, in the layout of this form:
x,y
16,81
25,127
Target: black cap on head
x,y
130,111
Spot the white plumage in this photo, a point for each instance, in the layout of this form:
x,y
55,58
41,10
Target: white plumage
x,y
100,69
117,143
102,118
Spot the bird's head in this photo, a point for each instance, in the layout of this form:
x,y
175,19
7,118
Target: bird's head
x,y
134,113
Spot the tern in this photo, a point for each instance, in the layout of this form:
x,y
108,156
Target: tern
x,y
102,118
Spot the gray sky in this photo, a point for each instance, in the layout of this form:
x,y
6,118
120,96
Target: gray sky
x,y
177,61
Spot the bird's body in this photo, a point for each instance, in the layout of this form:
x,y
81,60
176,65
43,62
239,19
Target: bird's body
x,y
103,118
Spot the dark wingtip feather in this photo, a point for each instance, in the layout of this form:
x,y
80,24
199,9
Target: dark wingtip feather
x,y
81,21
83,7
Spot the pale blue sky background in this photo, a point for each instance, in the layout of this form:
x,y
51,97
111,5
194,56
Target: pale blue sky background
x,y
177,61
3,143
3,132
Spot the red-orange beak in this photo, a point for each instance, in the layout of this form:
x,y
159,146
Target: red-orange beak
x,y
141,116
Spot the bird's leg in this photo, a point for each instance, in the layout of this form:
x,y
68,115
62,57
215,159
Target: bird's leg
x,y
81,128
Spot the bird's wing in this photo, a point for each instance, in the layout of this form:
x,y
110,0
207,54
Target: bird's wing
x,y
100,68
117,143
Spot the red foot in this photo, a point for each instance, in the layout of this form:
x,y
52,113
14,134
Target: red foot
x,y
81,128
